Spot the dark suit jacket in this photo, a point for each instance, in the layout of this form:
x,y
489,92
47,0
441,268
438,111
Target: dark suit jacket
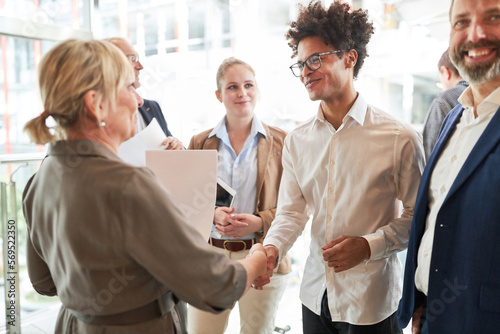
x,y
151,109
464,282
269,170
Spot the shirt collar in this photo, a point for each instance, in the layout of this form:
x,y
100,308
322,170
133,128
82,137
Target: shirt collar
x,y
81,147
467,100
357,112
220,129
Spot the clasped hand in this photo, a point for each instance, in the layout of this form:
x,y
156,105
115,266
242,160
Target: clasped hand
x,y
235,225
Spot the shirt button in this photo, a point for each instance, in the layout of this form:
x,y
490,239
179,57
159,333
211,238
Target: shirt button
x,y
329,217
330,190
443,189
436,270
332,162
453,158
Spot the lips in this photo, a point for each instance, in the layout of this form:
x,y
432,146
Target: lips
x,y
309,83
477,52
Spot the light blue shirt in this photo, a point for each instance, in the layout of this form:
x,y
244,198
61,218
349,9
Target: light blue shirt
x,y
239,171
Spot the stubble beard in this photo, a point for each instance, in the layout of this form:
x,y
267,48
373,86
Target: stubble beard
x,y
477,73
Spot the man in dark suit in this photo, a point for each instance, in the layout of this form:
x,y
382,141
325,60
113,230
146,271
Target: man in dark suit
x,y
150,109
452,269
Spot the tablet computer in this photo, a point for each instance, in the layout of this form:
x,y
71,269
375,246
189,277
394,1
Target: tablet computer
x,y
225,194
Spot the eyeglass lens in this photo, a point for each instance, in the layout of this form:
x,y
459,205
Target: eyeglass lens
x,y
313,63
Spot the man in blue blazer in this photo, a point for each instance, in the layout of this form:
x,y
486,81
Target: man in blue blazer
x,y
452,274
150,109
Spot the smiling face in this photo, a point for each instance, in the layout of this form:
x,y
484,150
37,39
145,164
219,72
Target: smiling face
x,y
238,91
332,79
129,52
475,39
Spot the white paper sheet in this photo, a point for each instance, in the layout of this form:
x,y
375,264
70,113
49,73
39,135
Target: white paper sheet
x,y
133,151
191,177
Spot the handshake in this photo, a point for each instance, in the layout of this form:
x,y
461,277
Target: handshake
x,y
340,254
265,264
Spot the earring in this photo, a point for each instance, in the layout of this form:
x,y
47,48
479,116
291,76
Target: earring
x,y
103,124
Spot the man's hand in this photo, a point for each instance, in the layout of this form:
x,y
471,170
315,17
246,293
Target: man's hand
x,y
416,320
346,252
172,143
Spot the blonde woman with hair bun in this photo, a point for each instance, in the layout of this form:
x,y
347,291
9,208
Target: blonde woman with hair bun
x,y
103,235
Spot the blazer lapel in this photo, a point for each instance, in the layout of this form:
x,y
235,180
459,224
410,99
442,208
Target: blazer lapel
x,y
486,143
264,148
211,143
445,134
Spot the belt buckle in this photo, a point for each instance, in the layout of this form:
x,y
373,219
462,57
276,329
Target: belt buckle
x,y
235,241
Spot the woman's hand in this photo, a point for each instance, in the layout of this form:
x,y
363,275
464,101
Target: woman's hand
x,y
222,216
239,225
255,264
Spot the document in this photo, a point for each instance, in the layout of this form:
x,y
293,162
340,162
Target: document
x,y
133,151
191,177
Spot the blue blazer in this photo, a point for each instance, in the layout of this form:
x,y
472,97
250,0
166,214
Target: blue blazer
x,y
464,282
151,109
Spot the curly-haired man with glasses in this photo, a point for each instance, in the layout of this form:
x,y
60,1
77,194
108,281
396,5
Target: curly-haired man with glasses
x,y
350,166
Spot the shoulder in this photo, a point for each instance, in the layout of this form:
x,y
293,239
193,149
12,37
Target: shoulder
x,y
198,139
400,128
275,132
302,131
453,114
150,104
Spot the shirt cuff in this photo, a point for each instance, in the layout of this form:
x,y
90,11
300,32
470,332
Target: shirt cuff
x,y
376,241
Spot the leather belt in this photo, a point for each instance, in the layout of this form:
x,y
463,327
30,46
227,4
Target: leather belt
x,y
155,309
232,245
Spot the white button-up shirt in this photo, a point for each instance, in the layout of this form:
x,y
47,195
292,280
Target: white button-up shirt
x,y
453,157
352,180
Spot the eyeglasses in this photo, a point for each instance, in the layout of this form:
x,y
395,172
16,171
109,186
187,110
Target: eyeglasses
x,y
313,63
133,58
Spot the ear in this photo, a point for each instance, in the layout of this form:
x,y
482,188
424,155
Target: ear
x,y
351,58
446,72
219,97
94,111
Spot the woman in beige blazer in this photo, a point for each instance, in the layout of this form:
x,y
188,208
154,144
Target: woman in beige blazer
x,y
249,160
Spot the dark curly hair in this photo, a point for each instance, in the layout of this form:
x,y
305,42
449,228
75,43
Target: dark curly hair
x,y
337,26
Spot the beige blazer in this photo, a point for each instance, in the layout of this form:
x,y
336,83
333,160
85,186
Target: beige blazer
x,y
269,170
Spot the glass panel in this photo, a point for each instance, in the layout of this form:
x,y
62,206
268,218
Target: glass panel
x,y
65,13
20,99
19,102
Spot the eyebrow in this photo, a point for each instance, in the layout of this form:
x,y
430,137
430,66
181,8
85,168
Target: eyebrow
x,y
467,14
312,54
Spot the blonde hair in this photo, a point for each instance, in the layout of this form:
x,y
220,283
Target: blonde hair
x,y
67,73
227,63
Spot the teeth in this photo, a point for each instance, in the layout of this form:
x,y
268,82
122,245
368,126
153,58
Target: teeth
x,y
478,53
